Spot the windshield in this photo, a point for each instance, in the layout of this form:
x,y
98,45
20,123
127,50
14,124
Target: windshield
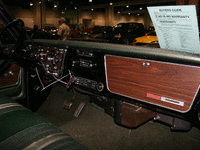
x,y
117,22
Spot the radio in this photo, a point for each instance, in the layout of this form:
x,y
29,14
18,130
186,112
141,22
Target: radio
x,y
84,63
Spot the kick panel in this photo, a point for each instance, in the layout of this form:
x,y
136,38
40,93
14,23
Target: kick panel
x,y
168,85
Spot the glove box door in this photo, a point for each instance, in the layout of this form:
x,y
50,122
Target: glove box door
x,y
168,85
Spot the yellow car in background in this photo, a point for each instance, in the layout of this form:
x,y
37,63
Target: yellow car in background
x,y
150,39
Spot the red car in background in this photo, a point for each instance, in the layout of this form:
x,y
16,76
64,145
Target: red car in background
x,y
79,30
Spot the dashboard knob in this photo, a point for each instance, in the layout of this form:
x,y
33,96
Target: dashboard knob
x,y
100,87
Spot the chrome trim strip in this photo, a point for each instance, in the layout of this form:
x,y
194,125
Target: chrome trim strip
x,y
42,143
173,101
3,106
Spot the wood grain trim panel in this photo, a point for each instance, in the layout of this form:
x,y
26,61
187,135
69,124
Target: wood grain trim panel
x,y
48,62
10,80
168,85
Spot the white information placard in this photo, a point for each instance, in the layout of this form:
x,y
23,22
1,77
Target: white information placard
x,y
176,27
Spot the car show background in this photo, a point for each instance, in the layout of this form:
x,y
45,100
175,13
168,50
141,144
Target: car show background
x,y
87,16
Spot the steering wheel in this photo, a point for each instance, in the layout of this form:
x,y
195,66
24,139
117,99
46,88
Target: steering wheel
x,y
17,46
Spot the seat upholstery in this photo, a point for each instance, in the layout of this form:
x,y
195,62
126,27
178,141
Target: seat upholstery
x,y
22,129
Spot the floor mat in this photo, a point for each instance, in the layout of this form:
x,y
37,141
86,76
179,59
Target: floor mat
x,y
97,130
52,109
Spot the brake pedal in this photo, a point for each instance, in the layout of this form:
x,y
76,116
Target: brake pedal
x,y
67,104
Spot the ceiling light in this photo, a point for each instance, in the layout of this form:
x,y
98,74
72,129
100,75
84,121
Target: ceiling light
x,y
111,3
75,7
118,12
140,8
138,14
90,1
55,6
92,9
129,13
31,4
127,6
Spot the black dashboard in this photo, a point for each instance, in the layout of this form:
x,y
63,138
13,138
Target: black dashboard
x,y
115,77
88,69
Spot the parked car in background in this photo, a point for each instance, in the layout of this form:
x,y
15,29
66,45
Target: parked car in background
x,y
45,35
41,34
150,39
102,32
97,30
51,28
79,30
125,33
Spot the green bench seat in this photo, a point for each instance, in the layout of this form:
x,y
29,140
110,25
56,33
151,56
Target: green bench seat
x,y
22,129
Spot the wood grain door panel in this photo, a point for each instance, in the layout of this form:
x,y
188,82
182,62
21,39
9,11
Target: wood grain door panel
x,y
168,85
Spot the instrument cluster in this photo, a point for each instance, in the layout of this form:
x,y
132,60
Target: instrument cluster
x,y
51,59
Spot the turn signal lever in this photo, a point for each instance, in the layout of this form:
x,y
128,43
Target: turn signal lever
x,y
72,79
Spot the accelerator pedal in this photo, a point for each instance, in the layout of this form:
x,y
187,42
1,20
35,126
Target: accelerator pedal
x,y
79,109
